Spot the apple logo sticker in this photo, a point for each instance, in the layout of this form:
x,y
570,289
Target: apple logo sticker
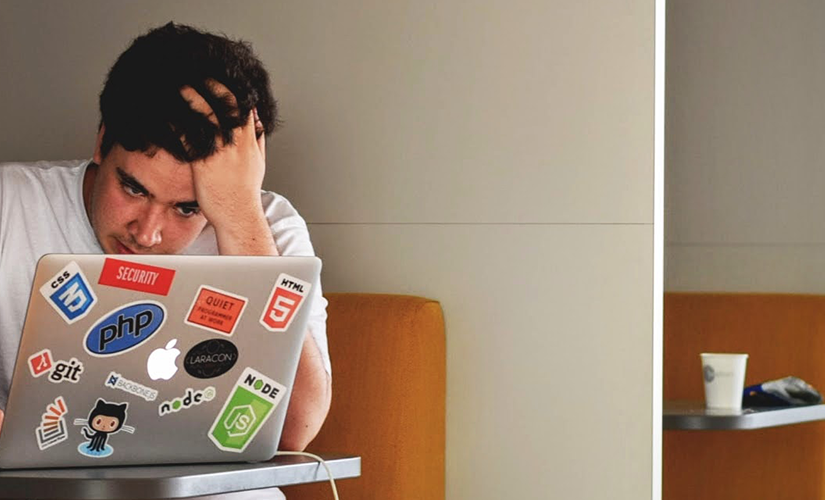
x,y
161,363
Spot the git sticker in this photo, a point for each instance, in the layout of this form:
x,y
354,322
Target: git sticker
x,y
52,428
40,362
216,310
69,293
249,405
286,299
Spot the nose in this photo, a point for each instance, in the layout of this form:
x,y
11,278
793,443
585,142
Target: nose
x,y
147,226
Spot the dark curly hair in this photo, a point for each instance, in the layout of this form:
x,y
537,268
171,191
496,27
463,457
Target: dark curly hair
x,y
141,105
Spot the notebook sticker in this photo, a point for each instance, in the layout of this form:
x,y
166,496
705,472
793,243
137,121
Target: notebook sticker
x,y
135,276
66,370
189,399
250,404
117,381
161,363
216,310
52,428
286,299
40,362
125,328
210,358
104,420
69,293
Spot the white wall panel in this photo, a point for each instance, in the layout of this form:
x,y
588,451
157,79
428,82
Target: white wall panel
x,y
548,347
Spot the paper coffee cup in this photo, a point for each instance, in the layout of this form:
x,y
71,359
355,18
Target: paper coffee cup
x,y
724,376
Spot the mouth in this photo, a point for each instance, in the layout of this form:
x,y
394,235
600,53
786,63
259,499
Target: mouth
x,y
122,249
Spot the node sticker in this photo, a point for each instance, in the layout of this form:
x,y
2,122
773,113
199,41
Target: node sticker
x,y
135,276
104,420
216,310
250,404
117,381
69,293
286,299
40,362
190,398
52,428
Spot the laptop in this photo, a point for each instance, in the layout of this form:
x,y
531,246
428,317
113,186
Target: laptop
x,y
140,359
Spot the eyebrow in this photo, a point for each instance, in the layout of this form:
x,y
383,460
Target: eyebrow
x,y
133,183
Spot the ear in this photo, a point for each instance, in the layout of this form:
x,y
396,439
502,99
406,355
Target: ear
x,y
98,156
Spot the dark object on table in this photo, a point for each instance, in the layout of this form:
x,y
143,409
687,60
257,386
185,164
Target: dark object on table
x,y
788,391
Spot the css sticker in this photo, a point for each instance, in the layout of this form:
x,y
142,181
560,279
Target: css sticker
x,y
287,297
251,403
135,276
52,428
117,381
69,293
189,399
104,420
216,310
210,358
125,328
40,362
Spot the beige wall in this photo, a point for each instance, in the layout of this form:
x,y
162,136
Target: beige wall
x,y
745,120
497,156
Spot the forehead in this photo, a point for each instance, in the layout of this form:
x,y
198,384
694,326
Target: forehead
x,y
166,178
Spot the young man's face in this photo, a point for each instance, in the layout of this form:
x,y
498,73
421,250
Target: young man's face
x,y
142,204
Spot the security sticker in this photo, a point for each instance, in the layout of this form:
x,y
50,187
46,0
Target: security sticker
x,y
216,310
250,404
104,420
40,362
286,299
69,293
52,428
117,381
136,276
189,399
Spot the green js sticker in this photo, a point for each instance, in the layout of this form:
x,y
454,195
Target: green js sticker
x,y
246,409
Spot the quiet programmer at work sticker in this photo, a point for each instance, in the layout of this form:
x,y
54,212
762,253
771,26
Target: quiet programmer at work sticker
x,y
286,299
216,310
69,293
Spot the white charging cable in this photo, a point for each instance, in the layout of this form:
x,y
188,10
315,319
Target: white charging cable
x,y
318,459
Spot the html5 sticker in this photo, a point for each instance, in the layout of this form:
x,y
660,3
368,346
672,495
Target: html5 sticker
x,y
216,310
136,276
287,297
69,293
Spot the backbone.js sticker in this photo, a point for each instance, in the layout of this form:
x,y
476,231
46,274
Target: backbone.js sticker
x,y
250,404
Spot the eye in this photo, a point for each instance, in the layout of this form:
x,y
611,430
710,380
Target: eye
x,y
97,422
111,424
131,190
187,212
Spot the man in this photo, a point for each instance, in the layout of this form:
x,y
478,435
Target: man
x,y
178,166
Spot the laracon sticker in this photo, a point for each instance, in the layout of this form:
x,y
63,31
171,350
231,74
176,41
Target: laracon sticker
x,y
52,428
104,420
189,399
40,362
69,293
125,328
210,358
246,409
136,276
117,381
216,310
286,298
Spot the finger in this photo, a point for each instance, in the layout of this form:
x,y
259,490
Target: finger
x,y
198,103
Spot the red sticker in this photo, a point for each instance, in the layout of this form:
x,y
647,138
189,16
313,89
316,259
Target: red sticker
x,y
138,277
40,362
216,310
286,299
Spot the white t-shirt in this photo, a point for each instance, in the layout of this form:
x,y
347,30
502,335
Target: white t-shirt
x,y
41,211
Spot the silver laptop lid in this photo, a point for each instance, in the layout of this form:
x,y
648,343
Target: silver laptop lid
x,y
156,359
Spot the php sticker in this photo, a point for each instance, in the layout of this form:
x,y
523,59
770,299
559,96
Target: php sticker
x,y
216,310
252,401
117,381
104,420
287,297
125,328
69,293
210,358
135,276
188,400
52,428
40,362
